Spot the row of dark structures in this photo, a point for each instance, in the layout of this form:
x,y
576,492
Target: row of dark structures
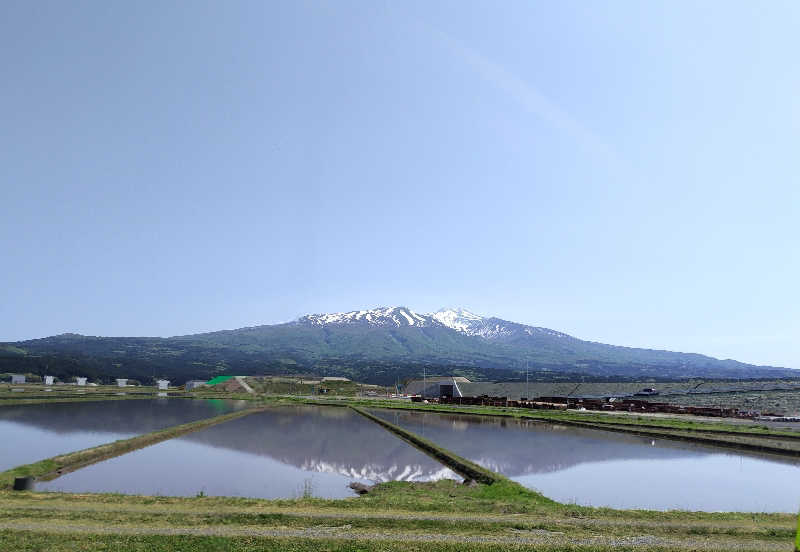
x,y
460,391
605,404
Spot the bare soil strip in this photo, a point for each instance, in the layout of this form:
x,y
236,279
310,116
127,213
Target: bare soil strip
x,y
344,532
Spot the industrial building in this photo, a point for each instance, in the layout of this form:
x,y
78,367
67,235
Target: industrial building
x,y
458,387
437,386
17,378
122,382
562,396
194,384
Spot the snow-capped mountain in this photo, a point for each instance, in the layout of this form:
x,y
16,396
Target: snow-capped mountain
x,y
458,319
382,316
375,345
470,323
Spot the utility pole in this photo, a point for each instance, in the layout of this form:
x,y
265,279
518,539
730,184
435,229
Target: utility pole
x,y
527,385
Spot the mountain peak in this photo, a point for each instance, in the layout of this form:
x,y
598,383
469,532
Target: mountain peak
x,y
381,316
460,311
457,318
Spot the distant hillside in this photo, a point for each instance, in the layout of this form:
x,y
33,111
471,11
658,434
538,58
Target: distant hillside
x,y
378,345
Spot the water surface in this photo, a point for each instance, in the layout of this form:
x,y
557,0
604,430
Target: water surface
x,y
283,452
600,468
34,432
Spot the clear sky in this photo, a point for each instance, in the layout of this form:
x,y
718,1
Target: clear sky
x,y
624,171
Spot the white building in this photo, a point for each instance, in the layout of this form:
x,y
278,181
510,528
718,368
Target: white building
x,y
48,380
80,381
162,384
17,378
122,382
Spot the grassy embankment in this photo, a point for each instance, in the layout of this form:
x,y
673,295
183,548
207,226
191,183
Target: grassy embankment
x,y
40,394
461,466
442,516
78,399
287,386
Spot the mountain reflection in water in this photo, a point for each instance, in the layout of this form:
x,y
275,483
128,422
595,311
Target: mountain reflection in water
x,y
316,439
279,453
325,439
601,468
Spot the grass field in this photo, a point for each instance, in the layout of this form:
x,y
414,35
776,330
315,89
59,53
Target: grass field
x,y
394,516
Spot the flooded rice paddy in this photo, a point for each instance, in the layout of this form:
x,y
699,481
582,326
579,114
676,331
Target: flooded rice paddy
x,y
598,468
295,451
284,452
34,432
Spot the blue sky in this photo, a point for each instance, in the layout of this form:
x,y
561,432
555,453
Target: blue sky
x,y
622,171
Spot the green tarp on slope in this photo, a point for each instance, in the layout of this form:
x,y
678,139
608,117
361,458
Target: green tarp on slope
x,y
218,379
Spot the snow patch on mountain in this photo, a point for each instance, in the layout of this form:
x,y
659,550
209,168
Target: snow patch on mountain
x,y
458,319
531,330
382,316
408,317
487,330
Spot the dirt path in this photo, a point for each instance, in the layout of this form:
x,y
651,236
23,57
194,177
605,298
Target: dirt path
x,y
562,522
244,385
345,532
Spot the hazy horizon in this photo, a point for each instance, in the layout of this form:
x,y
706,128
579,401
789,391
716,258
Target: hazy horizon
x,y
621,172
